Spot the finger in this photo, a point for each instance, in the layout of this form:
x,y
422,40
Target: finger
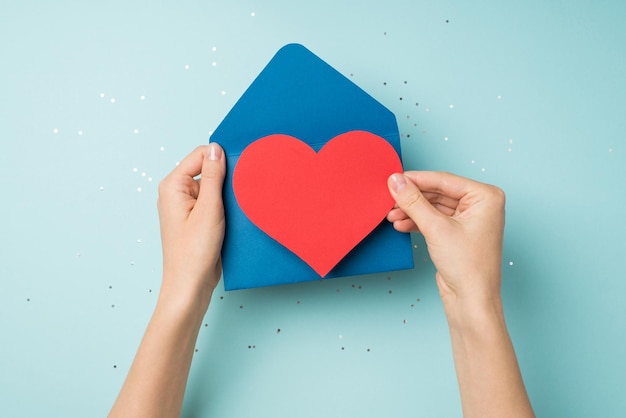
x,y
401,221
406,225
191,165
444,209
180,180
412,202
212,180
436,199
446,184
396,214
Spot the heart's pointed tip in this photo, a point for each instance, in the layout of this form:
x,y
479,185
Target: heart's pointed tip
x,y
323,271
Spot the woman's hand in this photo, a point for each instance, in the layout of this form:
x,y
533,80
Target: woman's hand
x,y
192,229
191,215
462,222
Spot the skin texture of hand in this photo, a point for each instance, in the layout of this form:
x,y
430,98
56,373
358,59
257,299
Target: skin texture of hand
x,y
462,222
192,229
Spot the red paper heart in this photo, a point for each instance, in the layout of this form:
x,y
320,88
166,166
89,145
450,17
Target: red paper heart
x,y
318,205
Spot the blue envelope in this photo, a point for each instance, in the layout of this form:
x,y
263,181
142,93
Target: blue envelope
x,y
300,95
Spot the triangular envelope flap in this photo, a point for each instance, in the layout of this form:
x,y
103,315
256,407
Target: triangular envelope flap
x,y
300,95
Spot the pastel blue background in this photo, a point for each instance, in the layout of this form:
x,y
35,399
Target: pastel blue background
x,y
99,100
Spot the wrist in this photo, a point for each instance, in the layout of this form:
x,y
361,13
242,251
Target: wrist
x,y
178,299
489,378
475,315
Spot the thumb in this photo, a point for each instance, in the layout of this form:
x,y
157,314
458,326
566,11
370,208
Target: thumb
x,y
412,202
211,180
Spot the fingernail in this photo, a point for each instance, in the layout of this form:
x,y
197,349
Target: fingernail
x,y
215,152
398,182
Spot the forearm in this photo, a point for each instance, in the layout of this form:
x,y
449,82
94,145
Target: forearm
x,y
156,382
489,378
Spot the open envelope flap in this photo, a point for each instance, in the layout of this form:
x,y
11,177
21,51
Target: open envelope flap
x,y
300,95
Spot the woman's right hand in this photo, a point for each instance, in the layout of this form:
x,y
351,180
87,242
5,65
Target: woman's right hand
x,y
462,222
